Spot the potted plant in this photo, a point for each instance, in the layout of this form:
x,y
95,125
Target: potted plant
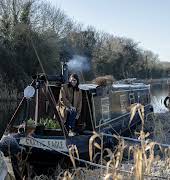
x,y
30,126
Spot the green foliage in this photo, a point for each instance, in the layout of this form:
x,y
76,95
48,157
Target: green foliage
x,y
31,123
46,122
50,123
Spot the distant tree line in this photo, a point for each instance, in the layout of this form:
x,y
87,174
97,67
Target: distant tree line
x,y
29,24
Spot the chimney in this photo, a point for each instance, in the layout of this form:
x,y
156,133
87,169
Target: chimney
x,y
64,72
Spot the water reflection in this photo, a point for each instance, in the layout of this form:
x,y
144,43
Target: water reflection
x,y
158,94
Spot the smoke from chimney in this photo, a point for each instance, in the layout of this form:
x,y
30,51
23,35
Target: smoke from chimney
x,y
78,63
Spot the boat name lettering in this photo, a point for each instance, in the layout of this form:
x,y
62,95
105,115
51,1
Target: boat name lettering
x,y
34,142
56,144
50,144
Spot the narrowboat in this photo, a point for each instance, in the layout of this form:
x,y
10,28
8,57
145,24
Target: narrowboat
x,y
105,109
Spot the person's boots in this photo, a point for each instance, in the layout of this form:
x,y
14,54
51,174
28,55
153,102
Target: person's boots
x,y
71,133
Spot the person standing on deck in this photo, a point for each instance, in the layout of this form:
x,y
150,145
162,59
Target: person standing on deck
x,y
70,103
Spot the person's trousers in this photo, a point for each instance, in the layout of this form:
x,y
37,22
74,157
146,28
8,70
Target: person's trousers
x,y
71,119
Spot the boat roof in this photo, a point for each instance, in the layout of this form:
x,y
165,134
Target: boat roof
x,y
116,86
133,85
88,86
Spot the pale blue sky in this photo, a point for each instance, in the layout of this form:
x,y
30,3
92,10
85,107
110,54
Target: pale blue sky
x,y
145,21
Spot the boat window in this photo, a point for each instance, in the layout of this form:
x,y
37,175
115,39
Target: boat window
x,y
131,98
145,97
123,103
105,108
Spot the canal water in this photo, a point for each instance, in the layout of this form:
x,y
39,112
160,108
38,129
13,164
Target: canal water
x,y
158,94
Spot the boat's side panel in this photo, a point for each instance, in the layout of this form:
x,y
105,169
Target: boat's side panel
x,y
113,108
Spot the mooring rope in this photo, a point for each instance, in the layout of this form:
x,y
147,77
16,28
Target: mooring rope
x,y
132,139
